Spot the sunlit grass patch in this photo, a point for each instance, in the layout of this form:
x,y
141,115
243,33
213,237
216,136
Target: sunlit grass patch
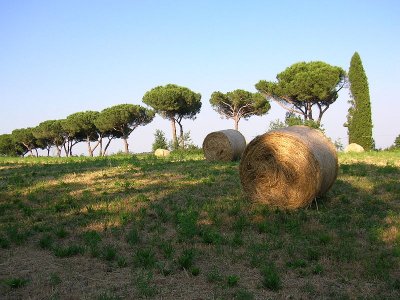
x,y
186,221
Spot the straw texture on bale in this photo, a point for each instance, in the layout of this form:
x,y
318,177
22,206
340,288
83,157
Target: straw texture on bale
x,y
353,147
288,168
224,145
161,152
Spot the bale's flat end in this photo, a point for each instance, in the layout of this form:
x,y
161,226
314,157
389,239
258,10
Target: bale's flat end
x,y
288,168
224,145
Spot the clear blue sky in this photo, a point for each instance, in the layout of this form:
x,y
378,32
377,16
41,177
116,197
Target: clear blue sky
x,y
61,57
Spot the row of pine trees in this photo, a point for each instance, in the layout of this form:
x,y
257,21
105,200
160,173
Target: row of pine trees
x,y
175,103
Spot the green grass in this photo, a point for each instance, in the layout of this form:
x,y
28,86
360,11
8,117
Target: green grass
x,y
174,223
145,258
15,283
68,251
270,277
232,280
186,259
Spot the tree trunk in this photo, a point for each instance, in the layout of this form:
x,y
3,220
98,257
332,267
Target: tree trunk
x,y
174,138
236,120
309,111
37,153
90,151
101,147
321,112
65,150
182,145
72,144
58,151
48,151
125,138
106,147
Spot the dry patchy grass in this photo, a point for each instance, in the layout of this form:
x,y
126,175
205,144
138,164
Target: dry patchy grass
x,y
180,228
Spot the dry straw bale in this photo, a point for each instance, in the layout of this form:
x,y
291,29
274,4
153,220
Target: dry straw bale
x,y
161,152
353,147
224,145
289,167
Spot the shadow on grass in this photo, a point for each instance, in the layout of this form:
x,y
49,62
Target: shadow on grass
x,y
159,203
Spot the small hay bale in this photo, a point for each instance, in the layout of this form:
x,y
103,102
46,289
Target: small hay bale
x,y
224,145
353,147
288,168
161,153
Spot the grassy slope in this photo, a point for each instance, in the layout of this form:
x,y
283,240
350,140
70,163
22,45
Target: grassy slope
x,y
137,226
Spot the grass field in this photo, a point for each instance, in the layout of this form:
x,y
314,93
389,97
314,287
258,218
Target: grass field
x,y
180,228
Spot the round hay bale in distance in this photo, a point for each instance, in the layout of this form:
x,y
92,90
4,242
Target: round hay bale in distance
x,y
161,152
353,147
288,168
224,145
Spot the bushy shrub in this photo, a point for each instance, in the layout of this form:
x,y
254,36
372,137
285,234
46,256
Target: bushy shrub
x,y
160,142
397,142
292,120
184,143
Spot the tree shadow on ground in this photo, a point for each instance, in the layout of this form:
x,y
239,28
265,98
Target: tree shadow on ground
x,y
197,205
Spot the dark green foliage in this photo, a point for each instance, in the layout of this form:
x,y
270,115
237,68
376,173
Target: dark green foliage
x,y
167,249
4,243
145,258
132,236
61,232
53,133
195,271
160,142
81,127
120,120
109,252
46,242
359,121
186,259
121,262
187,224
16,235
397,142
8,146
232,280
106,130
243,294
296,264
305,85
292,120
271,278
174,103
54,279
210,236
145,286
15,283
239,104
214,275
25,138
43,137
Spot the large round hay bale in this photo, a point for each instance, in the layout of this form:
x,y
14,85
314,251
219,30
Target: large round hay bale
x,y
224,145
161,152
288,168
353,147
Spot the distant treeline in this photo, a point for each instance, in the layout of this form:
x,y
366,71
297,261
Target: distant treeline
x,y
301,89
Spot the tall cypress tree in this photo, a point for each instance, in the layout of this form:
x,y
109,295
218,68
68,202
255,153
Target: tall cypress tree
x,y
359,122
